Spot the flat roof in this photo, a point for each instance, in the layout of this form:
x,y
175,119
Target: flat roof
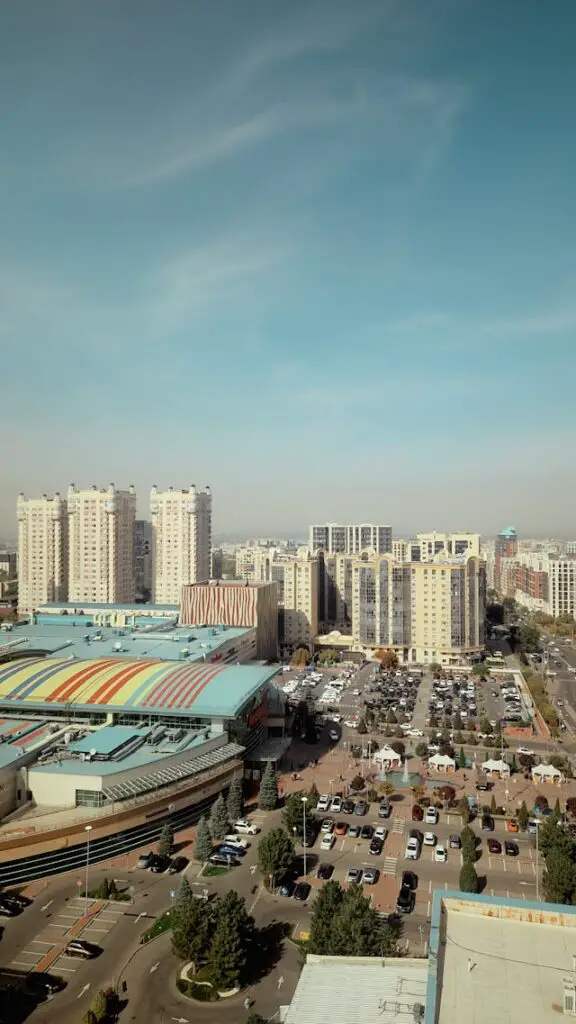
x,y
182,643
107,740
53,606
358,990
146,756
500,960
203,689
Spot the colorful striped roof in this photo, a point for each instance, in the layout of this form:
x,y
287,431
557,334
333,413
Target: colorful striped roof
x,y
202,689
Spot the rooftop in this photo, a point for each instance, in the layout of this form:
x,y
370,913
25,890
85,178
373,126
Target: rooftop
x,y
53,606
61,638
359,990
202,689
498,960
145,757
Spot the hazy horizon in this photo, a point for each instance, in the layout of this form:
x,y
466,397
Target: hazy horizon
x,y
320,256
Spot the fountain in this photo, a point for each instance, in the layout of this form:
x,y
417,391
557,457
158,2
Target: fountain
x,y
405,773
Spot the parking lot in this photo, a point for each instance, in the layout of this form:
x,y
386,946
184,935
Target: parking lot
x,y
510,876
91,921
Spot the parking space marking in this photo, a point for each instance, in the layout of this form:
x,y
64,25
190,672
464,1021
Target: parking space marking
x,y
490,863
20,963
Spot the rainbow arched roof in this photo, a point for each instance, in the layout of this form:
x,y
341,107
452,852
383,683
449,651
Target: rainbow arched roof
x,y
200,688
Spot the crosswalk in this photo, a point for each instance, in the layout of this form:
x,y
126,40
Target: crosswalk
x,y
398,824
390,864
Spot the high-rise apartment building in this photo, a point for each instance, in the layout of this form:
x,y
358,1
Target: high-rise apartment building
x,y
450,544
297,580
334,538
427,611
253,562
335,592
101,545
42,551
181,540
143,559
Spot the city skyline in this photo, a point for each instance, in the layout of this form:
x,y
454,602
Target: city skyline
x,y
321,256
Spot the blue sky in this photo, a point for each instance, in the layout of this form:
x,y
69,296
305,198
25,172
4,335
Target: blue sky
x,y
319,255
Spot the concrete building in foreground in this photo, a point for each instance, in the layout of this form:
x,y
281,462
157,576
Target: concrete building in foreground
x,y
181,540
498,959
101,544
42,550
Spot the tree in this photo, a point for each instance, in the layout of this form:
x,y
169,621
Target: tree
x,y
386,788
293,815
559,878
398,747
541,802
325,910
523,816
485,727
268,789
313,796
526,760
357,783
90,1018
421,749
256,1018
468,840
436,669
468,877
99,1006
231,941
388,659
493,804
275,855
166,841
433,722
446,792
203,843
219,823
361,728
557,809
193,923
461,758
235,799
391,718
301,656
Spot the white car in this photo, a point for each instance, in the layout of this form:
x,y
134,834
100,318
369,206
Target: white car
x,y
525,750
355,693
431,816
412,851
236,840
415,732
336,804
323,803
440,854
246,826
380,832
429,839
350,724
337,718
327,842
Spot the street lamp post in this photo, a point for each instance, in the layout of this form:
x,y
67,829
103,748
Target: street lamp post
x,y
304,802
87,829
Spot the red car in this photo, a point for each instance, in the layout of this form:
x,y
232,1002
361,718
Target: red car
x,y
494,846
417,813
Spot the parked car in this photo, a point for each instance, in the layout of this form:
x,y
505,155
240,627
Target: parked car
x,y
9,910
385,809
325,871
511,848
361,808
348,807
236,840
246,827
455,842
327,825
367,832
159,864
302,891
354,876
220,860
494,846
431,816
440,854
405,900
483,787
487,823
230,851
327,841
177,865
336,804
354,831
512,826
380,832
286,889
144,860
410,879
412,851
429,839
376,847
85,950
340,828
370,876
417,813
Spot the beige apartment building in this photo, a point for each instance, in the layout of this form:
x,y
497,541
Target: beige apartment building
x,y
297,580
427,611
350,538
253,562
42,551
101,545
181,541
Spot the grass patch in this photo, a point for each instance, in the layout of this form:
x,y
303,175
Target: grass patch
x,y
161,924
214,869
201,993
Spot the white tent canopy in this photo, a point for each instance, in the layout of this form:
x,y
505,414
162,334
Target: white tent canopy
x,y
546,771
441,761
386,755
496,766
